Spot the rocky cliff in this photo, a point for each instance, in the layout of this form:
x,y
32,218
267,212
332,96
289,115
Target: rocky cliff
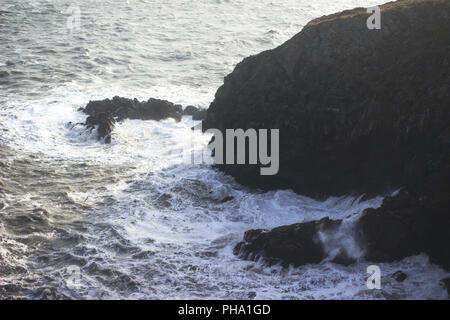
x,y
359,111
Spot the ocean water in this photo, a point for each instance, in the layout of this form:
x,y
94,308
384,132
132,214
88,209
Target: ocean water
x,y
134,220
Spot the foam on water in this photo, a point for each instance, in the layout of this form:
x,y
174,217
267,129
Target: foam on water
x,y
136,217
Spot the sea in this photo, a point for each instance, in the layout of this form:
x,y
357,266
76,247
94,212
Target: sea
x,y
80,219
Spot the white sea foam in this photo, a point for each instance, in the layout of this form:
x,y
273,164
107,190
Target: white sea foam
x,y
158,227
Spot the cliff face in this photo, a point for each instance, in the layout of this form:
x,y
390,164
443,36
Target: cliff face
x,y
358,110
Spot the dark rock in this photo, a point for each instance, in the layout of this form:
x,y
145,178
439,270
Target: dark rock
x,y
399,276
104,113
395,230
105,124
359,111
296,244
195,112
189,110
251,235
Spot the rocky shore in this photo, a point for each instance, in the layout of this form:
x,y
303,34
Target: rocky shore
x,y
360,112
103,114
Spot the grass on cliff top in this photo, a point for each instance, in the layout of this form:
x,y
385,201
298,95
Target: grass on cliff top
x,y
347,14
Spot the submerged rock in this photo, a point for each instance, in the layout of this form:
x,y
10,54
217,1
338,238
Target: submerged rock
x,y
104,113
406,224
359,111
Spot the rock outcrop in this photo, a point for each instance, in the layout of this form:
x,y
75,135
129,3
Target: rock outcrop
x,y
406,224
103,114
359,111
295,244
